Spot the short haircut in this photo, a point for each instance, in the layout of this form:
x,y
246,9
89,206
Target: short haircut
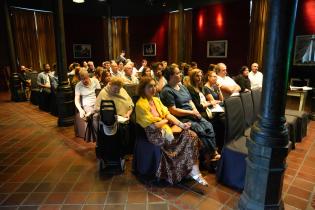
x,y
217,67
117,81
142,84
243,68
169,71
83,73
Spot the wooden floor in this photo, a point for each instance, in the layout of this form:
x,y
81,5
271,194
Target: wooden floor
x,y
43,166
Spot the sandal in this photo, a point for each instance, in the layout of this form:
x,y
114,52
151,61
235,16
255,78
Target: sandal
x,y
198,178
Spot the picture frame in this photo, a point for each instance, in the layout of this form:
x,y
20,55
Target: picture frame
x,y
81,51
217,49
149,49
304,51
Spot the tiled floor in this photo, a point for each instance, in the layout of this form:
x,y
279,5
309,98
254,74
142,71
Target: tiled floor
x,y
43,166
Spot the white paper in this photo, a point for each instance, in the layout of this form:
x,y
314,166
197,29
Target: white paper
x,y
217,108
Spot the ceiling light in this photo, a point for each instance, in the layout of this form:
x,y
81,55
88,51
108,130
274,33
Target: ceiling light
x,y
78,1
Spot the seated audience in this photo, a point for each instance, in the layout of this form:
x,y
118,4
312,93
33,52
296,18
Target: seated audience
x,y
212,89
186,70
115,70
158,76
146,72
255,77
227,84
105,78
106,65
164,64
193,65
179,148
179,102
129,78
44,83
195,89
72,68
85,65
144,63
91,68
98,73
85,98
242,79
76,77
124,106
121,68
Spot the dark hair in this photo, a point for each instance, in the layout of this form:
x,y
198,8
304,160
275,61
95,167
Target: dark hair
x,y
155,65
243,68
211,67
193,64
144,81
169,71
186,69
144,70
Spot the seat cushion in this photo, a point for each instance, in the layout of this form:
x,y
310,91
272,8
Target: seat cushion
x,y
303,119
231,169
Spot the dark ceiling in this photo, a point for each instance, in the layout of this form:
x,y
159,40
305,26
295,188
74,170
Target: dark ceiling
x,y
118,7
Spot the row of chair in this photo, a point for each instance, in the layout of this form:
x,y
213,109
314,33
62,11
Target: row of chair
x,y
240,114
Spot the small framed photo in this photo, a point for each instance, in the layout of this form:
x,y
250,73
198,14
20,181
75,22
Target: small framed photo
x,y
149,49
304,52
217,49
81,51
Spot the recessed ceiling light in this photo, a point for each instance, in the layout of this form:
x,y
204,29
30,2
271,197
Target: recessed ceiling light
x,y
78,1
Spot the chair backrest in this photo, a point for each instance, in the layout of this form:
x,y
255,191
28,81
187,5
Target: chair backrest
x,y
234,119
256,96
248,108
108,112
33,77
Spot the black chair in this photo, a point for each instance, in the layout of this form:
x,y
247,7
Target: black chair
x,y
291,121
232,165
302,121
34,99
109,148
248,108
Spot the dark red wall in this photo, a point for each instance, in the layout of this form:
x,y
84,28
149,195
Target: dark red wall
x,y
148,29
305,25
227,21
85,30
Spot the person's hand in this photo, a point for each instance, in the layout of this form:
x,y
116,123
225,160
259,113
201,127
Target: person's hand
x,y
196,114
82,113
186,125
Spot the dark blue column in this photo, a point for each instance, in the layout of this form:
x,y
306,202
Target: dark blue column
x,y
268,144
65,96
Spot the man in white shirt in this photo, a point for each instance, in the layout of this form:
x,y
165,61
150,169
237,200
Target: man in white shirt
x,y
227,85
114,70
129,78
255,77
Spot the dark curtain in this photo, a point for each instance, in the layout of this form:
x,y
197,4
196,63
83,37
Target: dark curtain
x,y
46,38
120,36
174,33
25,38
258,31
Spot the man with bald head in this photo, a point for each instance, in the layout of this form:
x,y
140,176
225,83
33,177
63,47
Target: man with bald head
x,y
255,76
227,85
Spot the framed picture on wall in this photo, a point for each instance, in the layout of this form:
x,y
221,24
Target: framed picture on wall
x,y
304,52
81,51
149,49
217,49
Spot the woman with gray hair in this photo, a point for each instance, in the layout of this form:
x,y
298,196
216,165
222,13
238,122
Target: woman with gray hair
x,y
85,97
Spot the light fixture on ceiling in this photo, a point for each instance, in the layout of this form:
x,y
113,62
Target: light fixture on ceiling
x,y
78,1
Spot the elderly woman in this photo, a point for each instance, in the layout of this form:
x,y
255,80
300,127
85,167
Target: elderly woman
x,y
179,102
124,107
179,144
85,96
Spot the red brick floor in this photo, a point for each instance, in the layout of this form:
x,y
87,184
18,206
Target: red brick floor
x,y
43,166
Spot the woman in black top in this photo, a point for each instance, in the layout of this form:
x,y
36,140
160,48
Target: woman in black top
x,y
242,79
